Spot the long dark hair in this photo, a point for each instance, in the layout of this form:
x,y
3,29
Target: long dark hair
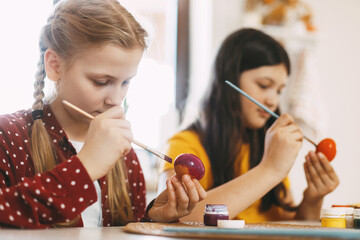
x,y
220,124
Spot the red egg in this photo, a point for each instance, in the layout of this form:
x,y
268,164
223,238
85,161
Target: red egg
x,y
327,147
187,163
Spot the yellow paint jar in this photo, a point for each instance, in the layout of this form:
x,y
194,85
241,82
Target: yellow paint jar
x,y
333,217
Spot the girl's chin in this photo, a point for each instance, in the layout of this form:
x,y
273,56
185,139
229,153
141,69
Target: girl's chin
x,y
256,125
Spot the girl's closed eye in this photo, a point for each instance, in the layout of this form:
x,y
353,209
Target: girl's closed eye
x,y
263,86
100,82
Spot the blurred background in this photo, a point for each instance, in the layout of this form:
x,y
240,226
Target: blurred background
x,y
322,38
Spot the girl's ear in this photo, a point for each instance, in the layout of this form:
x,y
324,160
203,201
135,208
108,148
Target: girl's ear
x,y
52,65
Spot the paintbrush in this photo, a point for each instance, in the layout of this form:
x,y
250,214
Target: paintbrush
x,y
260,105
147,148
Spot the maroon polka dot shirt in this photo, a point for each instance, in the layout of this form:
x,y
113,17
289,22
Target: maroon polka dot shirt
x,y
57,196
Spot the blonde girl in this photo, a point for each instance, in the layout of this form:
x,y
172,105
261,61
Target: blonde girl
x,y
58,168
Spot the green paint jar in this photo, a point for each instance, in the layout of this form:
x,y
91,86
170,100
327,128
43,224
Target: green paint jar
x,y
357,218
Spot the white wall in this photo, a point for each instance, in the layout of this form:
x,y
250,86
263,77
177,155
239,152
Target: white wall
x,y
19,51
338,24
339,50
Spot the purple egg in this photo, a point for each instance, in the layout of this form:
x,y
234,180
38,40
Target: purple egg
x,y
190,164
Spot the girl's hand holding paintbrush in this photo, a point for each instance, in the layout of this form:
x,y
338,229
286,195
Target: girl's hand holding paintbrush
x,y
283,141
147,148
108,138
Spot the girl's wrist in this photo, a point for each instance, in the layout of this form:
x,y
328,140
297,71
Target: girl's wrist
x,y
146,217
309,210
90,170
312,201
268,170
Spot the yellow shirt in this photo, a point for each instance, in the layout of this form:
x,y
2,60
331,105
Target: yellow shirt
x,y
189,142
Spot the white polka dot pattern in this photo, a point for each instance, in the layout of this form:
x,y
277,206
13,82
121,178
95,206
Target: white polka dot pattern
x,y
37,201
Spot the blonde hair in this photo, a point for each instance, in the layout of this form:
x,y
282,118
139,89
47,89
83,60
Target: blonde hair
x,y
74,26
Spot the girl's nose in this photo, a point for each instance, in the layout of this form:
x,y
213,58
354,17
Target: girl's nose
x,y
115,98
272,100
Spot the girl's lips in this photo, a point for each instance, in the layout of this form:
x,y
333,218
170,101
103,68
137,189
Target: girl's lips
x,y
96,113
264,113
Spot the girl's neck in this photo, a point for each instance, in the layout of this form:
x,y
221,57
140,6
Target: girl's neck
x,y
75,130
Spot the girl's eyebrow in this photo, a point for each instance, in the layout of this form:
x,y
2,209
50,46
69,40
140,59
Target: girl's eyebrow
x,y
108,76
100,75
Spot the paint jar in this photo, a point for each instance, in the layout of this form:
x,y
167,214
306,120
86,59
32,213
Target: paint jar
x,y
357,218
214,212
333,217
349,215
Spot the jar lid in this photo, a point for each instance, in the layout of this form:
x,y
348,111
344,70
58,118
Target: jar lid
x,y
357,212
215,208
230,223
348,210
333,212
339,205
